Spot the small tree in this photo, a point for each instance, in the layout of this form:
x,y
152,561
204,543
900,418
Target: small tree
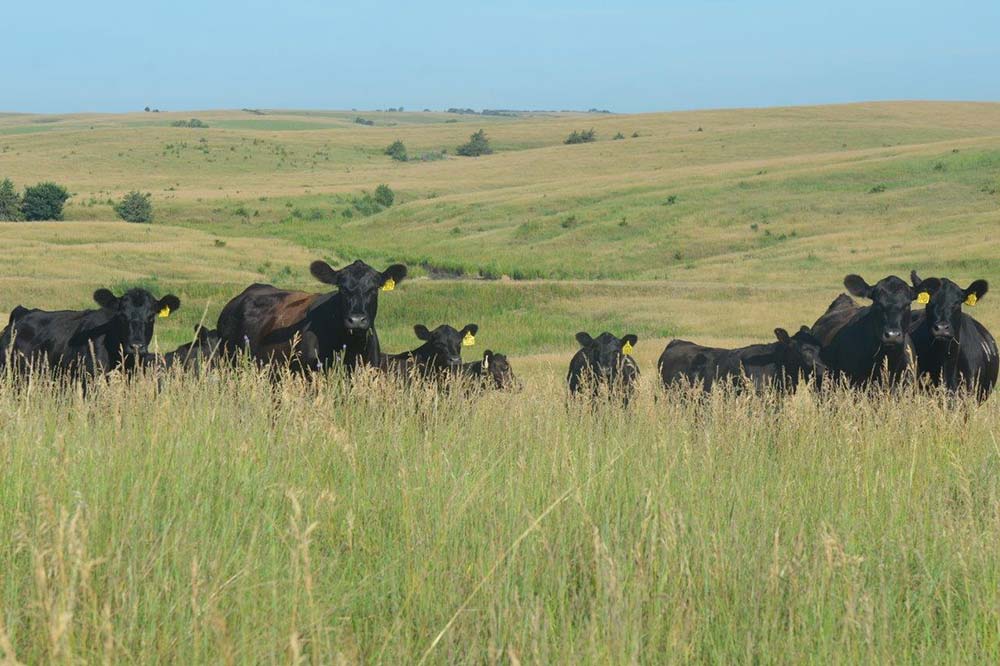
x,y
10,202
396,151
584,136
44,202
135,207
384,196
477,145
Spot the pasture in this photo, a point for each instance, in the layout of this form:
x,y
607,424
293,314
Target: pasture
x,y
231,519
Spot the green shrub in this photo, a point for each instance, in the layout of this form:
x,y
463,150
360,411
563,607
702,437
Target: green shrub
x,y
10,202
618,137
396,151
194,122
583,136
477,145
135,207
384,196
44,202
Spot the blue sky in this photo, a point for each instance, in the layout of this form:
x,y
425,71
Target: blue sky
x,y
625,56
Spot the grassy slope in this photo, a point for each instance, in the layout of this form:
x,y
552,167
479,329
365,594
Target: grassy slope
x,y
187,523
772,208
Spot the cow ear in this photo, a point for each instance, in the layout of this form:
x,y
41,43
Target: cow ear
x,y
926,289
488,355
105,299
168,304
977,289
915,279
422,332
630,339
323,272
470,328
584,339
782,336
857,286
805,330
396,273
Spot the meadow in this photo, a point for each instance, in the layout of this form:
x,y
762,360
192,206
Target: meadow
x,y
226,518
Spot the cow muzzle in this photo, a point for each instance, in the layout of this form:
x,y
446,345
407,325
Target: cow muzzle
x,y
354,323
892,336
942,331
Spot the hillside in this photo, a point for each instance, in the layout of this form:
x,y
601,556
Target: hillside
x,y
717,224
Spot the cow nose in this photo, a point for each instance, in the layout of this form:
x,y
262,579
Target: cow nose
x,y
941,329
892,336
356,321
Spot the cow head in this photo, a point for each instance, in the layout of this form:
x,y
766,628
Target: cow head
x,y
891,299
497,368
801,354
606,353
358,285
944,309
133,316
443,346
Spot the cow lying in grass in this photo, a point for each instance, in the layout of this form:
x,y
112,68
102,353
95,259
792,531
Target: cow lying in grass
x,y
86,341
440,354
201,352
778,364
493,371
603,364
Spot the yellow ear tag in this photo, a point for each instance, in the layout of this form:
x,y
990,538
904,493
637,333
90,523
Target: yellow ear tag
x,y
923,297
971,300
627,348
165,312
468,340
389,285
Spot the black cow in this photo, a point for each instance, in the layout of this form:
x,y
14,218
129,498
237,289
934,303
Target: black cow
x,y
858,342
311,331
779,364
953,348
604,363
493,371
86,341
440,353
201,352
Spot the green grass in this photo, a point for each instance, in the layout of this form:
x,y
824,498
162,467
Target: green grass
x,y
233,519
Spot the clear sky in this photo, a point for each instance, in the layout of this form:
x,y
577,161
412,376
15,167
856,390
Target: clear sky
x,y
627,56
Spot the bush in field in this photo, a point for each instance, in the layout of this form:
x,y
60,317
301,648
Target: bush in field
x,y
618,137
135,207
384,196
10,202
44,202
582,136
396,151
194,122
477,145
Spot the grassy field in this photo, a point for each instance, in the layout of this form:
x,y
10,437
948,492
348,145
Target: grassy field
x,y
226,519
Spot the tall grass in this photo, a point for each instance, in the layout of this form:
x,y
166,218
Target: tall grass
x,y
230,518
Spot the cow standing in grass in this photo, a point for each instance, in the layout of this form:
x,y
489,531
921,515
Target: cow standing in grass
x,y
777,364
440,354
604,363
866,345
86,342
952,348
309,331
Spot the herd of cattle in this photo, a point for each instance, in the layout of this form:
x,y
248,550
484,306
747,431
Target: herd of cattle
x,y
857,345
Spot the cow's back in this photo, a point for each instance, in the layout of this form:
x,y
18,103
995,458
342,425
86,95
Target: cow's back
x,y
683,361
841,312
62,338
259,317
